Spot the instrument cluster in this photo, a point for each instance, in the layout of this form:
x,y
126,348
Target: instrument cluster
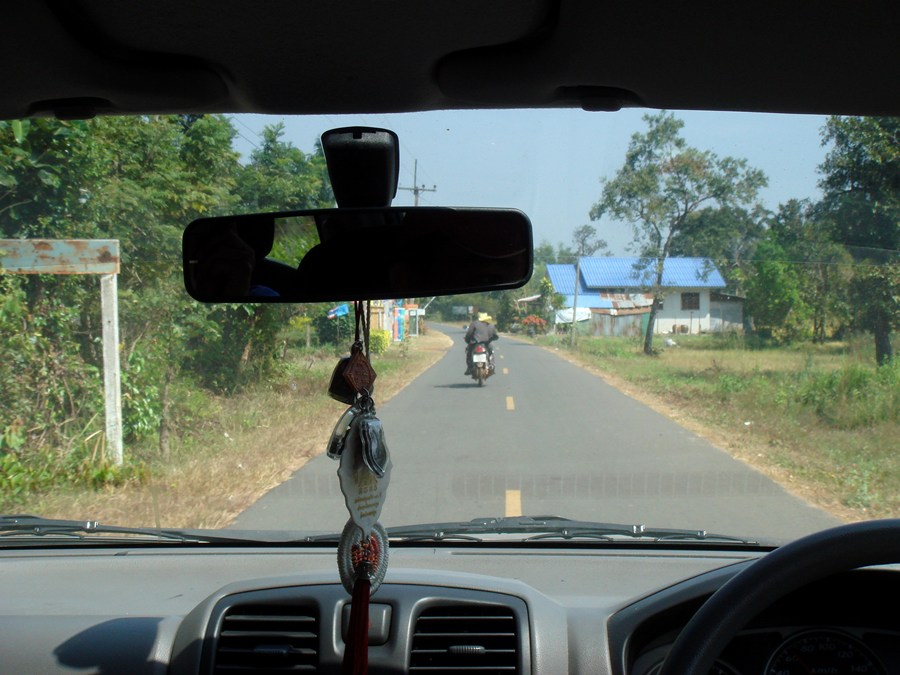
x,y
837,626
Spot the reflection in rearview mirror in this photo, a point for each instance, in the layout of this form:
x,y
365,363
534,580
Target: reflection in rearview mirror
x,y
339,254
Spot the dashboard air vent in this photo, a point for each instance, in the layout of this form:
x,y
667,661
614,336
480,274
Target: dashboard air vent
x,y
465,638
268,639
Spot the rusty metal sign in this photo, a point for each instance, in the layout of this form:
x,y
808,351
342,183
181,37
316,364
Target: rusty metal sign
x,y
59,256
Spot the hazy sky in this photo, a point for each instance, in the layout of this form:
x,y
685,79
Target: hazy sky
x,y
548,163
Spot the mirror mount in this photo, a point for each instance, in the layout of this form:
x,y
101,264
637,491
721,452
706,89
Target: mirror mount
x,y
363,166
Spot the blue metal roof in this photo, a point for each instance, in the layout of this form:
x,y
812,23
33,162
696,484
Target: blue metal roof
x,y
638,273
563,279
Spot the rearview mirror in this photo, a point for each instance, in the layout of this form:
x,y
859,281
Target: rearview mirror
x,y
356,254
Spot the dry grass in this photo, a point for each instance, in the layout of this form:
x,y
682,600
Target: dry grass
x,y
745,402
256,441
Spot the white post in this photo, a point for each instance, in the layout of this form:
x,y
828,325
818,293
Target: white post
x,y
112,383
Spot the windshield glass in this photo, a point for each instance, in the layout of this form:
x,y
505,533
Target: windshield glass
x,y
706,342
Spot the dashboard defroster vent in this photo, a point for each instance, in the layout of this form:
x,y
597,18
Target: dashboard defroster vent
x,y
465,638
268,639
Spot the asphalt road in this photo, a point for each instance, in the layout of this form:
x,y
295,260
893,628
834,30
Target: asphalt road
x,y
542,437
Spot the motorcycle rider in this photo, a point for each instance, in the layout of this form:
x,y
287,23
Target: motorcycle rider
x,y
480,330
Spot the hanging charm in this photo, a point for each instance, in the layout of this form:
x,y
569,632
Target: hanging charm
x,y
365,469
351,375
364,472
354,374
362,558
339,434
358,373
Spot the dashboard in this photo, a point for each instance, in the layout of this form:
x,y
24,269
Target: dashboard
x,y
843,624
443,608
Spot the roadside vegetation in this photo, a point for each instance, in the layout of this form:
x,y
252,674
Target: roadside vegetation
x,y
807,270
809,391
822,419
237,448
812,274
196,378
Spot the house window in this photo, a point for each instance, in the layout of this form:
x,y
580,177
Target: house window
x,y
690,301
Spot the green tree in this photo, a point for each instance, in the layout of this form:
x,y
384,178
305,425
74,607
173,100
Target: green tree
x,y
338,331
775,293
544,254
506,310
586,241
861,181
138,180
662,183
147,178
281,177
727,236
821,266
36,156
550,300
875,293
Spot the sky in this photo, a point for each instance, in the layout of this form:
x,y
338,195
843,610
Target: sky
x,y
548,163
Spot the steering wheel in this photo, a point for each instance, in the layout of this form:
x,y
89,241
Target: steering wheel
x,y
786,569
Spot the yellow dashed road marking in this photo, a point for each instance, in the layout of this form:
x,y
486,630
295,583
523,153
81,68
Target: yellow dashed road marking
x,y
510,404
506,371
513,502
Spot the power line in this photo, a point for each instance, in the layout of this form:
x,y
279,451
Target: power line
x,y
417,189
235,118
245,125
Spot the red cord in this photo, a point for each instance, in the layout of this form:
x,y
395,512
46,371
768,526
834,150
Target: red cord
x,y
356,652
364,557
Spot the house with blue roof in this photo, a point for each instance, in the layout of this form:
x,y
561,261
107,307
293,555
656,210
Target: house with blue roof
x,y
617,293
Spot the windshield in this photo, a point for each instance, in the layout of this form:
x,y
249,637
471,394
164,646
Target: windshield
x,y
706,342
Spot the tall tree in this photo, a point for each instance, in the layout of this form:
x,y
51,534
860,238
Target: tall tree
x,y
774,289
727,236
861,180
586,241
281,177
662,183
821,265
138,180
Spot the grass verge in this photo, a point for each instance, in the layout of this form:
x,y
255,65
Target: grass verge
x,y
821,420
241,447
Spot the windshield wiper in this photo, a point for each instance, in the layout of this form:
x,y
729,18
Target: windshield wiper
x,y
552,527
24,525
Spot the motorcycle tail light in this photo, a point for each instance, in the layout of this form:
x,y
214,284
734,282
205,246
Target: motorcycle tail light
x,y
479,349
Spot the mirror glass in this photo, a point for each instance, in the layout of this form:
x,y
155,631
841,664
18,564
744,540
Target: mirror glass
x,y
359,254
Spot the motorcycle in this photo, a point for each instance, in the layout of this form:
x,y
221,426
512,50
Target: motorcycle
x,y
482,362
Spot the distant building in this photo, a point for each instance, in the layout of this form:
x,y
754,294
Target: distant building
x,y
617,292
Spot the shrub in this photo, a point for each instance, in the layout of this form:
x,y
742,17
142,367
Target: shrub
x,y
854,396
534,324
379,341
337,331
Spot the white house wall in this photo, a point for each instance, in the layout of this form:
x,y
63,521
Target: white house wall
x,y
671,315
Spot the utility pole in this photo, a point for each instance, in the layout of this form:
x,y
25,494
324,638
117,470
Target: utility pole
x,y
575,300
416,188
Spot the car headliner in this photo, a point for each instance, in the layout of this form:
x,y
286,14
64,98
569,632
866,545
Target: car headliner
x,y
78,58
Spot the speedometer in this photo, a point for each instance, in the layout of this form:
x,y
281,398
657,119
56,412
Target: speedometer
x,y
823,651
